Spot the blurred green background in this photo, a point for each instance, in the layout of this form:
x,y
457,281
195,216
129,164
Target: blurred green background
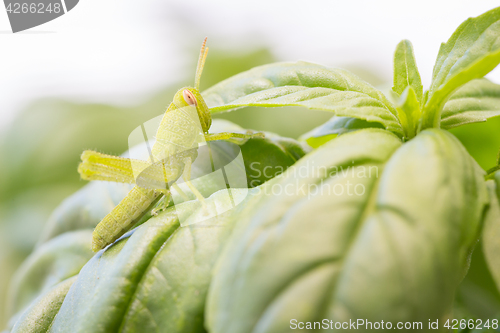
x,y
39,154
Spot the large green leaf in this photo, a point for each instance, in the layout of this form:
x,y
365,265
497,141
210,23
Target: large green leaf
x,y
155,278
475,102
39,315
84,208
264,158
471,52
408,108
334,127
491,230
395,250
304,84
53,262
405,70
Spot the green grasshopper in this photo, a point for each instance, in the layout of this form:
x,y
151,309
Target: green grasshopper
x,y
184,125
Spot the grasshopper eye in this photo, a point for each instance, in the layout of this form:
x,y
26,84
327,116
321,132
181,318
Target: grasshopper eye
x,y
189,97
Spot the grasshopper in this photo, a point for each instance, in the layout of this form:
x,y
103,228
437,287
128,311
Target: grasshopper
x,y
184,125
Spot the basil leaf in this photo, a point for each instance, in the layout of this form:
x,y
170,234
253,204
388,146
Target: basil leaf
x,y
154,278
475,102
394,252
491,230
405,70
471,52
84,209
409,112
39,315
53,262
304,84
264,158
333,127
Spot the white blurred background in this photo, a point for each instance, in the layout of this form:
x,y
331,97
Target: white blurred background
x,y
120,51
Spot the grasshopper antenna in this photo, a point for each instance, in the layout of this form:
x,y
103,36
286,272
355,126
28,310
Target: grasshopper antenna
x,y
201,63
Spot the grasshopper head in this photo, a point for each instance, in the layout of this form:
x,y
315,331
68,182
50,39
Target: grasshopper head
x,y
189,96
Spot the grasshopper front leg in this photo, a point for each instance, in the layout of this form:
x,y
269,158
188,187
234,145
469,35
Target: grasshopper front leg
x,y
237,138
98,166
